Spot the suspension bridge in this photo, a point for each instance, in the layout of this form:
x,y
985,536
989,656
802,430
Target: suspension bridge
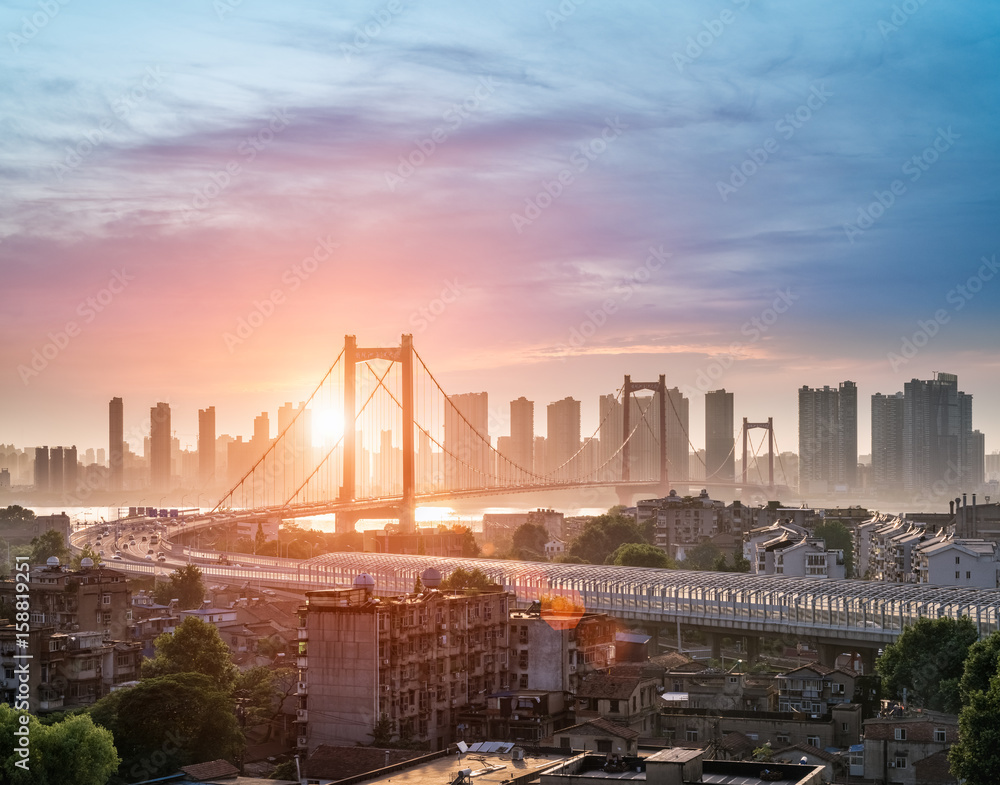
x,y
396,439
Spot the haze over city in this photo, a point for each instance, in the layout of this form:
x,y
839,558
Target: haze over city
x,y
200,202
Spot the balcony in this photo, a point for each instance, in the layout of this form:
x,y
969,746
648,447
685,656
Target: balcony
x,y
302,662
303,634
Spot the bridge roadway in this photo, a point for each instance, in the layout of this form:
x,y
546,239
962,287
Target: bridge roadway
x,y
864,614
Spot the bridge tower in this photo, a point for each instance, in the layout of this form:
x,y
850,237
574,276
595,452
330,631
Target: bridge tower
x,y
660,388
402,354
769,426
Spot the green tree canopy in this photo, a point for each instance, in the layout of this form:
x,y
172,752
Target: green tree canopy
x,y
528,542
703,556
87,552
640,554
460,578
193,647
928,661
975,757
185,586
981,665
17,514
838,538
48,544
169,721
602,535
71,750
470,548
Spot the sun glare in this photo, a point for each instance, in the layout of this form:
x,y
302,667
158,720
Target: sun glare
x,y
327,427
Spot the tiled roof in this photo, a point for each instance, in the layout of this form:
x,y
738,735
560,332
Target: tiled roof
x,y
337,763
600,685
604,726
736,743
213,769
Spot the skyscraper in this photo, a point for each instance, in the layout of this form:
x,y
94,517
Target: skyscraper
x,y
116,441
467,463
159,447
41,481
720,440
70,463
56,465
206,446
522,433
562,441
828,437
938,441
887,443
677,435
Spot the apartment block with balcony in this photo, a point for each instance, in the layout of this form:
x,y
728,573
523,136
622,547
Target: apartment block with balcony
x,y
627,695
416,661
814,689
554,653
896,746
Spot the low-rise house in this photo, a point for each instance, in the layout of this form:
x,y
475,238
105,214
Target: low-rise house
x,y
814,688
626,695
598,735
895,745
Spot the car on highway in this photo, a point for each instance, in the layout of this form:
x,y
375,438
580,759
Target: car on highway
x,y
118,555
161,557
149,557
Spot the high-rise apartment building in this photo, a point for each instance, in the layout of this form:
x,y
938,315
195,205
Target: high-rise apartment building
x,y
206,446
41,481
938,441
466,441
562,441
887,443
678,443
828,437
56,465
116,444
159,447
522,433
720,439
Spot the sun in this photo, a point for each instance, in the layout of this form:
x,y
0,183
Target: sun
x,y
327,427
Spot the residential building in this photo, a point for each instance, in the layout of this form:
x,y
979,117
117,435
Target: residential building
x,y
599,735
416,661
895,745
116,444
828,438
555,652
626,695
466,441
720,438
522,434
159,447
682,522
814,688
206,447
562,441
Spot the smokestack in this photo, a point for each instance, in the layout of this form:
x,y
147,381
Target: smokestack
x,y
951,508
975,523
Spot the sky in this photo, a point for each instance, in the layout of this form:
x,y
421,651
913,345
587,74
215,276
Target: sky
x,y
198,200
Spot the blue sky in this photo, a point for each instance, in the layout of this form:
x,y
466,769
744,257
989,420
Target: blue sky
x,y
716,158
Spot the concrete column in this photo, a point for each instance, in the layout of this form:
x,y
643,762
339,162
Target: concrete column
x,y
828,653
715,640
752,648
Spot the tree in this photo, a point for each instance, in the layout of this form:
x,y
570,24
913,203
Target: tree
x,y
15,513
460,578
259,539
47,545
470,548
975,757
71,750
169,721
703,556
602,535
185,586
927,660
838,538
87,552
981,665
640,554
193,647
259,693
528,542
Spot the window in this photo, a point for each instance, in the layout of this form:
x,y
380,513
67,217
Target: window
x,y
564,742
691,734
604,745
522,681
940,735
956,574
614,706
812,740
900,734
784,738
900,762
106,599
958,560
753,736
968,575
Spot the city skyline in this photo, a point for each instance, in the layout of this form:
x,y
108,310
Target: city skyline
x,y
753,196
